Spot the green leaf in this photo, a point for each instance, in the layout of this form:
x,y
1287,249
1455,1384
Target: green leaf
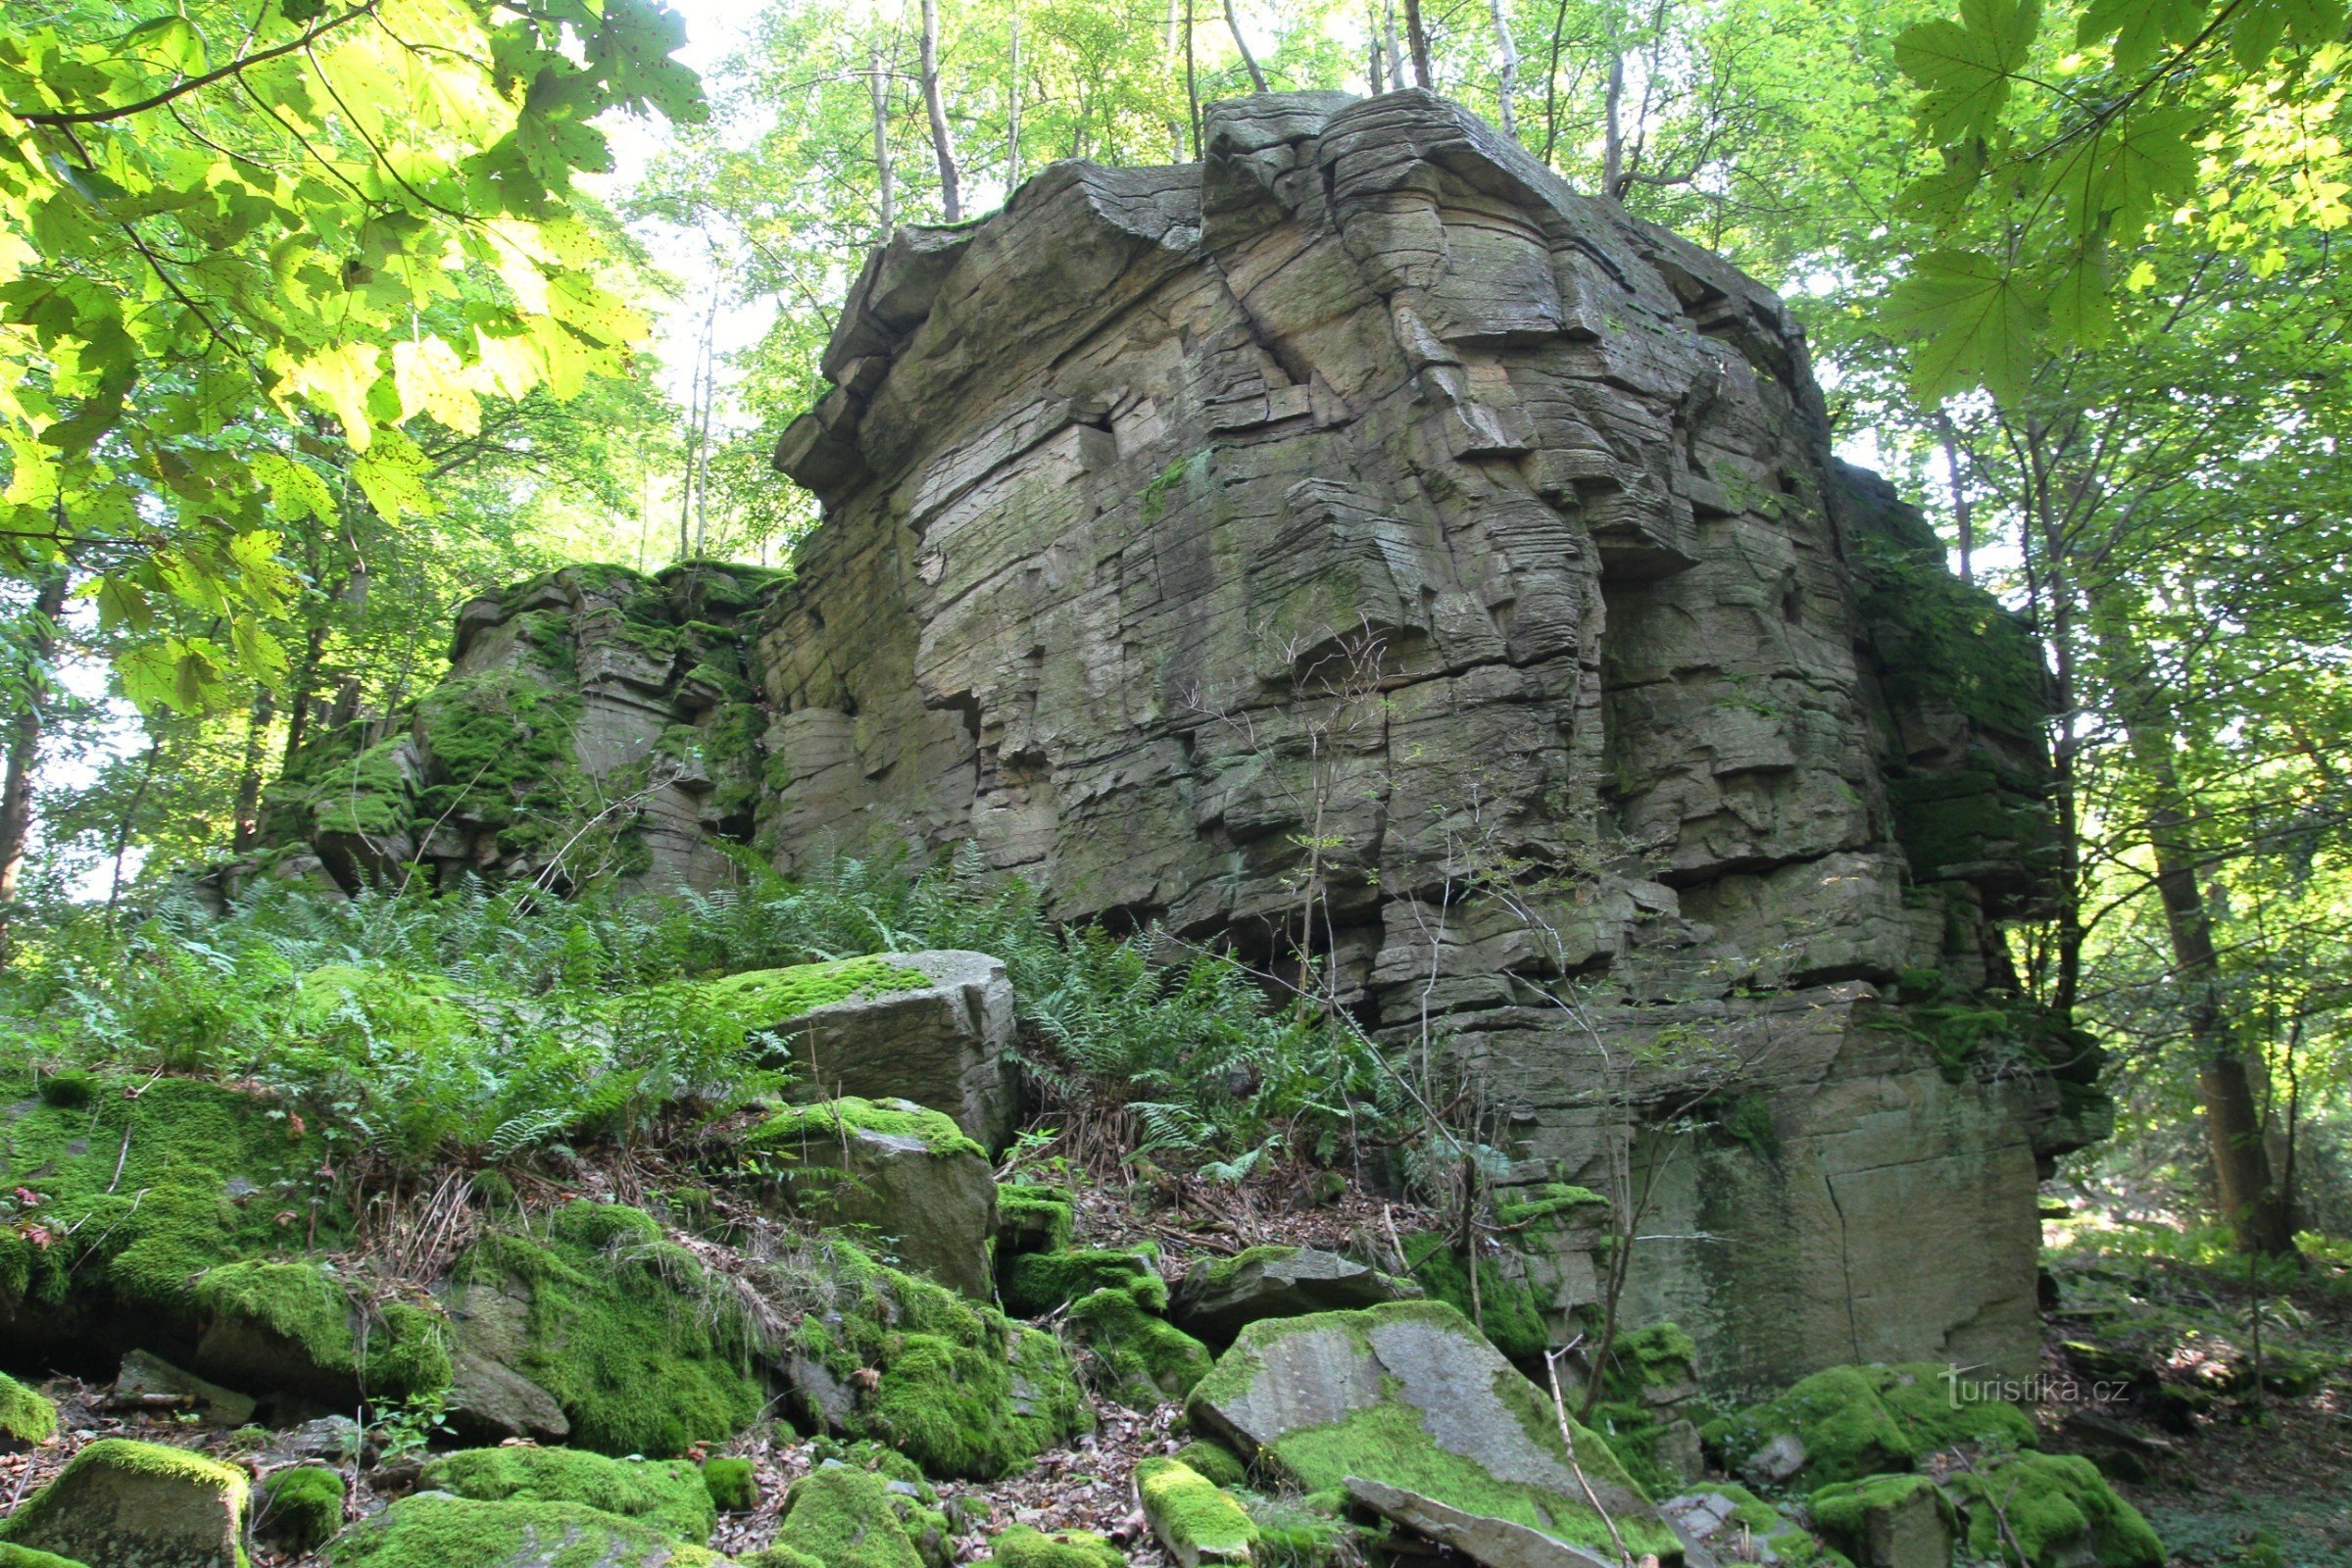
x,y
392,477
1973,322
1965,69
2141,28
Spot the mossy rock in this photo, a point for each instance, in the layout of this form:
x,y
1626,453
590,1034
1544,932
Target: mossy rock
x,y
903,1179
1038,1283
764,998
301,1508
1723,1511
14,1556
960,1389
26,1415
1295,1532
437,1530
1505,1307
205,1169
1215,1461
2057,1507
1887,1519
1857,1421
293,1326
1138,1360
626,1330
1554,1204
843,1517
1033,1219
128,1505
1650,1369
733,1484
1219,1297
1194,1519
1024,1546
668,1494
1410,1395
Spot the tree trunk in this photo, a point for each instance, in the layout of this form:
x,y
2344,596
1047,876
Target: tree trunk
x,y
942,145
1612,147
248,830
25,743
1258,77
1395,49
1416,37
1506,69
1192,78
1551,83
877,86
1963,507
1013,113
129,823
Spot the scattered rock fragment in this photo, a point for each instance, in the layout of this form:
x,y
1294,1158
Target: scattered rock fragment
x,y
1191,1516
1217,1299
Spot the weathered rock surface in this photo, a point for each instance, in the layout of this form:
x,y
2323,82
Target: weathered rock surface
x,y
1192,1517
1496,1543
1888,1522
1365,474
901,1179
941,1044
434,1527
149,1381
130,1504
1217,1299
489,1327
1410,1395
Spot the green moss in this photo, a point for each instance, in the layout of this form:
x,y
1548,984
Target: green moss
x,y
26,1415
1790,1544
843,1517
1215,1461
403,1353
880,1457
830,1122
666,1494
1506,1310
1294,1535
1192,1514
732,1482
69,1089
1556,1201
961,1389
763,997
204,1170
1033,1219
1858,1421
1138,1360
302,1508
501,744
435,1532
1842,1512
1168,487
1038,1283
626,1330
780,1557
1022,1546
2058,1508
12,1556
54,1516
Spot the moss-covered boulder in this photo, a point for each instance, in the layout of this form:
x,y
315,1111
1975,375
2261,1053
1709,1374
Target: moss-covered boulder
x,y
732,1482
626,1330
1193,1519
2057,1507
1650,1382
1135,1357
1218,1297
667,1494
301,1508
843,1517
905,1179
1849,1422
1037,1282
294,1327
1729,1519
955,1386
1505,1305
26,1415
157,1188
128,1505
1410,1395
15,1556
1033,1219
433,1530
1896,1521
1025,1546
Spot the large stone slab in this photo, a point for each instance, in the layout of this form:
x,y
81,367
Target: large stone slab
x,y
1410,1395
130,1504
1218,1297
437,1527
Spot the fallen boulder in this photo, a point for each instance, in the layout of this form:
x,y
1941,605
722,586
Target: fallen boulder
x,y
1137,1359
2056,1508
26,1415
121,1503
1192,1518
1895,1521
489,1330
1410,1395
147,1381
301,1508
1026,1547
931,1027
1038,1283
1217,1299
667,1494
434,1528
1496,1543
1733,1523
903,1179
842,1517
1849,1422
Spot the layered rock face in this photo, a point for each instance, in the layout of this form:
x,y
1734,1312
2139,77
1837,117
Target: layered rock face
x,y
1361,534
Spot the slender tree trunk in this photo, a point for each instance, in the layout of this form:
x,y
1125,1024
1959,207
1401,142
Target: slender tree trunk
x,y
1612,146
128,823
1506,69
1963,506
877,86
25,743
1372,68
248,830
1013,113
943,144
1416,37
1395,49
1551,83
1176,20
1258,77
1192,77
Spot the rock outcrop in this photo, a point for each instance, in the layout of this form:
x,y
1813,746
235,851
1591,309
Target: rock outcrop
x,y
1365,487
